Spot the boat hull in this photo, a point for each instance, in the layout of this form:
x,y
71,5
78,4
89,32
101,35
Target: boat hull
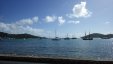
x,y
56,39
66,38
87,38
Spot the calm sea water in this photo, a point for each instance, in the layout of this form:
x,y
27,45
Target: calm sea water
x,y
97,49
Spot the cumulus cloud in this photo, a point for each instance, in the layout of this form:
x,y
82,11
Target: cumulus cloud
x,y
34,31
21,26
61,20
16,29
28,21
50,18
35,19
80,10
74,22
24,22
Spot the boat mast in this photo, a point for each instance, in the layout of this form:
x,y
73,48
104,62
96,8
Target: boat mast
x,y
72,36
55,34
89,34
67,34
85,33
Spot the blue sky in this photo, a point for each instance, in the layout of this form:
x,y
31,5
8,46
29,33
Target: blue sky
x,y
43,17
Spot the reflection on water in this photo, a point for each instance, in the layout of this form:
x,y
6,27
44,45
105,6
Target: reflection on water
x,y
97,49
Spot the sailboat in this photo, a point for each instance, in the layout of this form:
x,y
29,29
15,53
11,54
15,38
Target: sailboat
x,y
56,38
67,38
87,37
73,37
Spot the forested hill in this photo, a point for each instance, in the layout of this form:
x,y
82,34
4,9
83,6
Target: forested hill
x,y
17,36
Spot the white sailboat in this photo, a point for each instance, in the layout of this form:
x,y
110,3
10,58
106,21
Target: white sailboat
x,y
87,37
67,38
73,37
56,38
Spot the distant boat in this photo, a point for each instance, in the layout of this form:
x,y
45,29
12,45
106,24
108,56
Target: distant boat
x,y
67,38
56,38
73,37
87,37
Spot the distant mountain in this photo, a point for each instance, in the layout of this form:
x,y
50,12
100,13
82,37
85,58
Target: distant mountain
x,y
109,35
98,35
17,36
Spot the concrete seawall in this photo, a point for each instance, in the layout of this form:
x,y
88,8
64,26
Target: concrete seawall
x,y
50,60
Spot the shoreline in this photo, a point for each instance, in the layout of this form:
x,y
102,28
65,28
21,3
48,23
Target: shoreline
x,y
50,60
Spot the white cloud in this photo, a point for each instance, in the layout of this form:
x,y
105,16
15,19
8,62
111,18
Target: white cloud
x,y
22,26
107,22
24,22
50,18
16,29
34,31
61,20
35,19
28,21
74,22
80,10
